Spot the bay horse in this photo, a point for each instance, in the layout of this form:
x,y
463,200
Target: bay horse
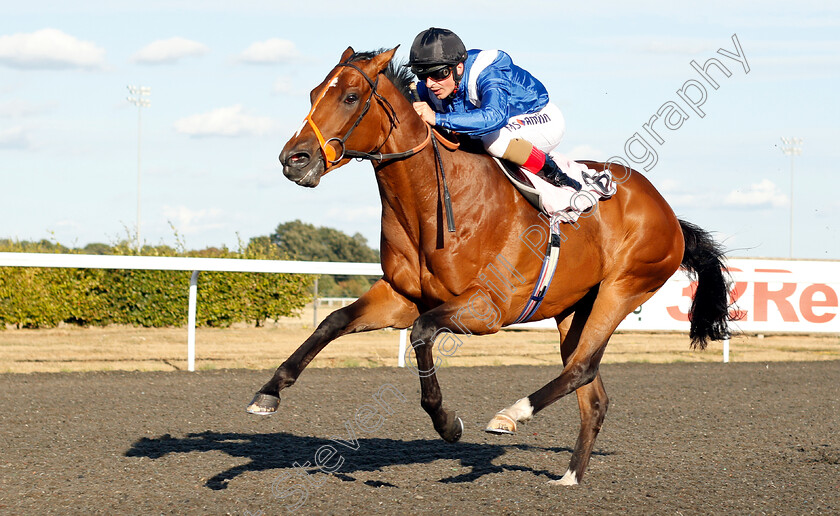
x,y
613,260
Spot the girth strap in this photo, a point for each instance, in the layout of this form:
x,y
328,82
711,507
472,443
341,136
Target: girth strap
x,y
549,266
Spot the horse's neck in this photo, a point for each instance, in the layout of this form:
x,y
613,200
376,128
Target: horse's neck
x,y
412,189
408,190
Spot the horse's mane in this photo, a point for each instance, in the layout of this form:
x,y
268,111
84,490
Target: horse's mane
x,y
398,74
401,76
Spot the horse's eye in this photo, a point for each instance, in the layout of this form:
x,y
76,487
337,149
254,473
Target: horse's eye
x,y
351,98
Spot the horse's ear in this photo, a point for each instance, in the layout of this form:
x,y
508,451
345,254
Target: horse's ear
x,y
346,55
381,60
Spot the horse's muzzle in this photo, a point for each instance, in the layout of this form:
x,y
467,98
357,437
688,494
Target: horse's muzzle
x,y
300,167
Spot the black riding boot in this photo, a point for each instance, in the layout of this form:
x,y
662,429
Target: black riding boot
x,y
557,177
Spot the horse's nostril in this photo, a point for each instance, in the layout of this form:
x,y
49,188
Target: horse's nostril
x,y
298,159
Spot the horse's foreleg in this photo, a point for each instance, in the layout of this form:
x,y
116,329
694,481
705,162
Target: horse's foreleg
x,y
446,422
470,313
380,307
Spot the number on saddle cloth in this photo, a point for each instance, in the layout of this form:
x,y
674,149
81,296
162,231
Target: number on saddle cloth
x,y
601,182
552,200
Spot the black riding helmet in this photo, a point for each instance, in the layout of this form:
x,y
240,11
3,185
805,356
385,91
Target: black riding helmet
x,y
434,49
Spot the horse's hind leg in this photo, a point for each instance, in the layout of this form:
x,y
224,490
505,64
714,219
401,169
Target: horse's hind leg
x,y
592,401
570,327
582,349
582,355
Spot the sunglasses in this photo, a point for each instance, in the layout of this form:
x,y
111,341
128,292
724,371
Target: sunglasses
x,y
437,75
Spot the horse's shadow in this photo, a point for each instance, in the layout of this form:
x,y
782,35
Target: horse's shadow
x,y
283,451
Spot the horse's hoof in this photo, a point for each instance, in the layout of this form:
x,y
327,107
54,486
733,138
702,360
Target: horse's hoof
x,y
263,404
455,435
569,479
501,424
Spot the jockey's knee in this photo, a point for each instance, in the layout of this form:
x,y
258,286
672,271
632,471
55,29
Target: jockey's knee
x,y
515,150
518,151
495,143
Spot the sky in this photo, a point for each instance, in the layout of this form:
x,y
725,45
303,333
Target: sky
x,y
230,85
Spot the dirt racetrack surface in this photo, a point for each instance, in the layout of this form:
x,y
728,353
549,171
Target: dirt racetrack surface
x,y
745,438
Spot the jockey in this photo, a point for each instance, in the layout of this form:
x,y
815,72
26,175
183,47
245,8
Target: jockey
x,y
482,94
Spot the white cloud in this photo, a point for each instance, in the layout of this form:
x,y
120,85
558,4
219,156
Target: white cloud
x,y
187,221
687,200
227,121
14,138
680,46
49,49
679,196
21,109
68,224
288,85
168,51
270,51
759,195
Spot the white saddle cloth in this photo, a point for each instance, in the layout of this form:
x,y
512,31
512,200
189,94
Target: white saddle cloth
x,y
563,203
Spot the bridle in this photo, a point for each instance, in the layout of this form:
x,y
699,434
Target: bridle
x,y
329,153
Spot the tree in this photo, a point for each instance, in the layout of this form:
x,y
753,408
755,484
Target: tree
x,y
302,241
25,246
97,248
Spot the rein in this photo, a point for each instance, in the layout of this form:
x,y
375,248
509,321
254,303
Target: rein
x,y
327,149
331,158
447,200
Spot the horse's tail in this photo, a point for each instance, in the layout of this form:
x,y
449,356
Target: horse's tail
x,y
709,311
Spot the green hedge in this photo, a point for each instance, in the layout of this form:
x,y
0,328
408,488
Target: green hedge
x,y
32,297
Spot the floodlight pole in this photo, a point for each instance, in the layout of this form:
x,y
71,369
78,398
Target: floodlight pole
x,y
792,147
140,99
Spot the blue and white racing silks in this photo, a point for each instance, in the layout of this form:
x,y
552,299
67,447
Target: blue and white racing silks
x,y
492,90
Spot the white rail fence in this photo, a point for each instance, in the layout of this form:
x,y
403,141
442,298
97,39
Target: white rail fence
x,y
196,265
791,296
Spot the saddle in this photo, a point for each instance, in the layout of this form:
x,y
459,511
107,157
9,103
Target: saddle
x,y
562,203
